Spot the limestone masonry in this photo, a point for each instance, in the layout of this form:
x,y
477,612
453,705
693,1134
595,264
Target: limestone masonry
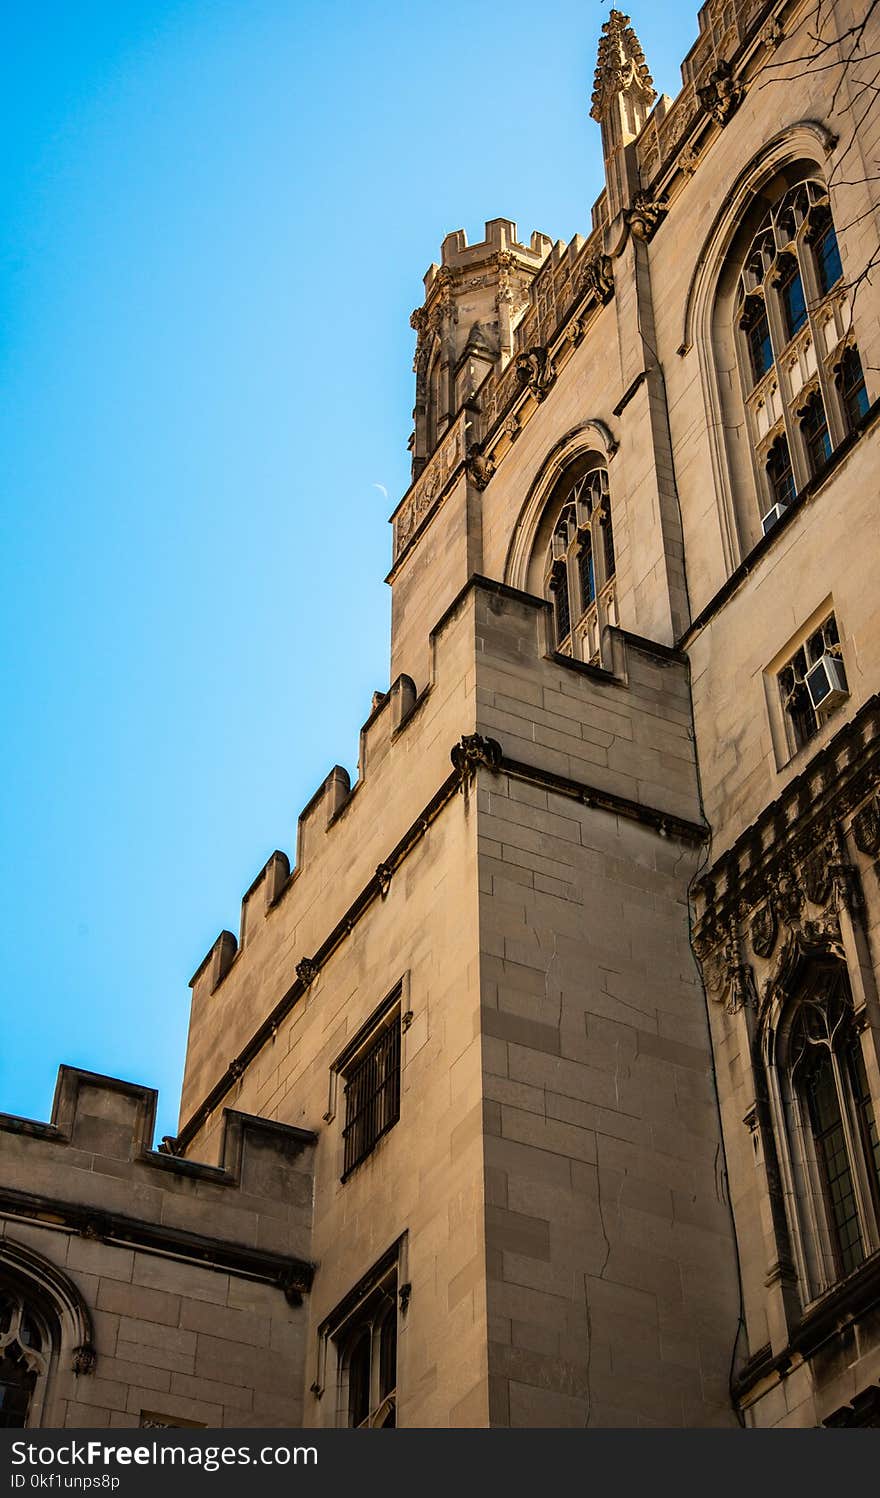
x,y
539,1088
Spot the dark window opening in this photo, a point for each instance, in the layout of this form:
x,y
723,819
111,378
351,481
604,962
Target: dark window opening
x,y
760,347
794,304
779,473
833,1161
372,1096
608,546
586,573
828,259
851,383
814,426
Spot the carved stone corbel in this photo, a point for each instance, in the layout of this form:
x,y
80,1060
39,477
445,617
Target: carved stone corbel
x,y
721,95
306,971
473,751
599,277
383,878
866,827
645,216
84,1360
763,929
535,371
479,466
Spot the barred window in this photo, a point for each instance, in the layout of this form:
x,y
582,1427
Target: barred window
x,y
372,1092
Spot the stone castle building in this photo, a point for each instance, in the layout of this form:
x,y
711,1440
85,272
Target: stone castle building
x,y
539,1087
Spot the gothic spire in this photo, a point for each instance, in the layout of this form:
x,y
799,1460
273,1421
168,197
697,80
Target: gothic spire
x,y
621,69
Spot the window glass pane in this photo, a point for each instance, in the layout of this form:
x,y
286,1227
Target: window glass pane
x,y
561,606
828,260
834,1164
852,387
794,304
388,1356
608,543
16,1384
586,573
815,429
760,347
780,474
359,1381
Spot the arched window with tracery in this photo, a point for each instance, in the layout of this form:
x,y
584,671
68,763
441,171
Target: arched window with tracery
x,y
580,568
801,373
827,1126
25,1345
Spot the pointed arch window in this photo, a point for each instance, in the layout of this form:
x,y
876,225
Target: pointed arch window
x,y
827,1126
368,1359
791,325
25,1344
817,439
580,571
850,380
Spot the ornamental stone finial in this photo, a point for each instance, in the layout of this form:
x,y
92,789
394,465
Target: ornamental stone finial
x,y
621,69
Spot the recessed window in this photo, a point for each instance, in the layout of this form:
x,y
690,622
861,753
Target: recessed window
x,y
371,1083
815,430
779,474
851,384
801,388
813,684
828,264
829,1130
794,303
24,1345
361,1337
757,331
581,566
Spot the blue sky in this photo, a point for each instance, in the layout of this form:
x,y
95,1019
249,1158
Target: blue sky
x,y
215,222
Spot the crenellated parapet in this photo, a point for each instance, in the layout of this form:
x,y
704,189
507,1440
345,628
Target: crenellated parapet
x,y
92,1173
473,300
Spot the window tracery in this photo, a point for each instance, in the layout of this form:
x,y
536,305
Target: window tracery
x,y
580,573
802,377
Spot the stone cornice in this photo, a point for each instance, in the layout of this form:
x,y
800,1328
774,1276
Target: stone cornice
x,y
292,1276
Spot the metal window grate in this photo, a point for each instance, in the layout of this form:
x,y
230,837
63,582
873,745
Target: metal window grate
x,y
372,1097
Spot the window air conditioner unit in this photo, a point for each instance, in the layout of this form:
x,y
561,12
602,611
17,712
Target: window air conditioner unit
x,y
826,682
770,519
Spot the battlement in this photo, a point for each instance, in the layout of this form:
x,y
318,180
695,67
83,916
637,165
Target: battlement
x,y
93,1170
494,670
501,235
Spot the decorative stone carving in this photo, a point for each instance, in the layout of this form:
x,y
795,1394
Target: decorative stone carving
x,y
512,427
96,1227
816,870
866,827
688,161
721,95
236,1067
575,331
789,897
84,1360
473,751
772,34
404,1296
620,68
847,886
598,276
306,971
294,1283
763,930
479,466
535,371
645,215
383,878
